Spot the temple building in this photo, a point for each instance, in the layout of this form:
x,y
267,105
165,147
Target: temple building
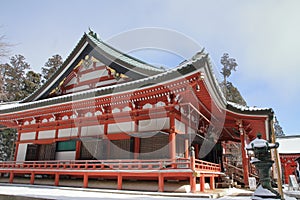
x,y
289,152
106,115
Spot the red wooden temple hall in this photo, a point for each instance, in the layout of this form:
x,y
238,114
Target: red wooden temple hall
x,y
106,114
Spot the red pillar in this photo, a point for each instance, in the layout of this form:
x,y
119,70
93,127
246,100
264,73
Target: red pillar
x,y
161,183
212,182
193,177
193,183
186,143
137,140
56,180
202,183
32,178
120,180
244,155
78,149
196,151
11,177
17,145
16,150
172,137
85,180
78,144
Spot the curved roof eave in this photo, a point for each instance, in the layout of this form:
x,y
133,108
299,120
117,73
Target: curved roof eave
x,y
183,70
246,110
139,67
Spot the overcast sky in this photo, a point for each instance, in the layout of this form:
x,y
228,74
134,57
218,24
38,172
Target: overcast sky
x,y
263,36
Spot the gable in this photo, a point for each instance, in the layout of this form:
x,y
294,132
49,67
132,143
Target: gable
x,y
106,66
88,74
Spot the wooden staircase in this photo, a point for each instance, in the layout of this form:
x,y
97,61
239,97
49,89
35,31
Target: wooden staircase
x,y
233,167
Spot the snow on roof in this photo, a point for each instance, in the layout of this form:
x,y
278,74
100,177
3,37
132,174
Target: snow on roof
x,y
246,108
7,105
289,144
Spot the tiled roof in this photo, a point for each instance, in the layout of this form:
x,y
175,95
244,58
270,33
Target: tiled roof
x,y
124,57
183,69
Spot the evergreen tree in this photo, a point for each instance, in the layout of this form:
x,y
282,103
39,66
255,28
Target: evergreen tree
x,y
14,77
277,128
233,94
31,83
230,91
7,145
3,93
15,84
51,66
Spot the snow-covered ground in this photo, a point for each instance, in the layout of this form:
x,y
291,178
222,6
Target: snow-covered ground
x,y
68,193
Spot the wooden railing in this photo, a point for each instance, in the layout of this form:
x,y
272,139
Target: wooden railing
x,y
180,163
207,166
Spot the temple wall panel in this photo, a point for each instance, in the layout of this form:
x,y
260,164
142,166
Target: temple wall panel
x,y
67,132
46,134
65,155
180,147
21,152
155,147
92,130
154,124
120,149
27,136
126,127
179,126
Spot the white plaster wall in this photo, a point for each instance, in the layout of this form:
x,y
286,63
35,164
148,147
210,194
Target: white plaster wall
x,y
22,152
160,104
148,105
105,82
65,155
179,126
92,130
154,124
84,87
121,127
93,75
67,132
27,136
46,134
72,81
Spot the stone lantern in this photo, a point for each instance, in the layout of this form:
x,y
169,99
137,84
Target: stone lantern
x,y
263,162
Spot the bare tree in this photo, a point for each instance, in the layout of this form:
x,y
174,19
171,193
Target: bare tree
x,y
4,47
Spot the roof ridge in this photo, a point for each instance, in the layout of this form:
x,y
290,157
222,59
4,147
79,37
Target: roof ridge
x,y
148,66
